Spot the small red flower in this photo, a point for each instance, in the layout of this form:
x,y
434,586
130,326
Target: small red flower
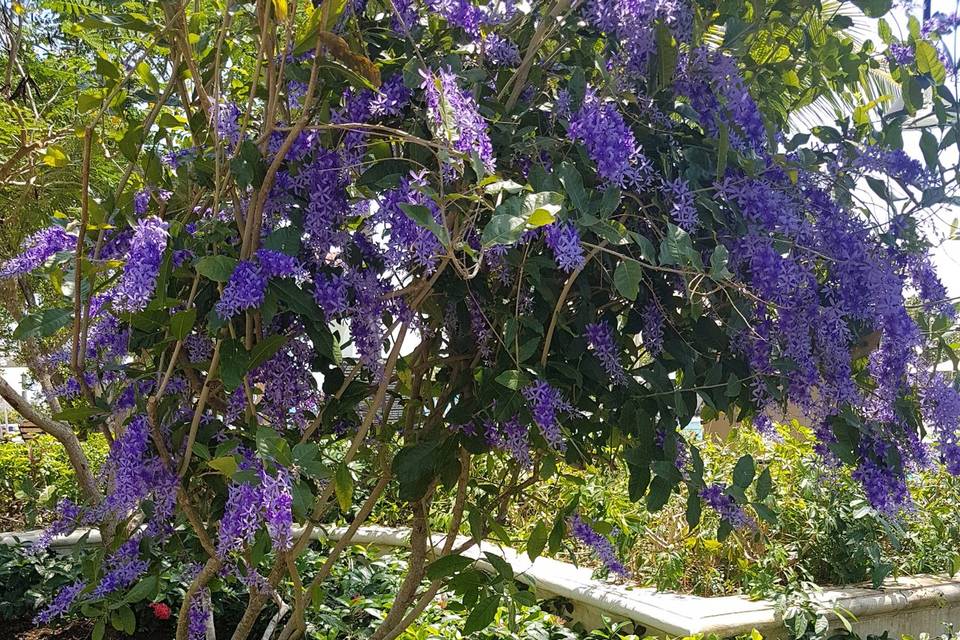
x,y
160,611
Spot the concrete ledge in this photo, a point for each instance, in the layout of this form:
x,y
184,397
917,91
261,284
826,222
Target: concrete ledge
x,y
908,605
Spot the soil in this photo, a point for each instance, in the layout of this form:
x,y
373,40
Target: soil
x,y
78,630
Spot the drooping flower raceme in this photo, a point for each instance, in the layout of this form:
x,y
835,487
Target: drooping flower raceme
x,y
610,143
455,118
564,241
38,249
139,278
545,403
600,337
600,545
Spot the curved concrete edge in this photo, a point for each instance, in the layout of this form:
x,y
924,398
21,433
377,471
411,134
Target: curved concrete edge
x,y
670,613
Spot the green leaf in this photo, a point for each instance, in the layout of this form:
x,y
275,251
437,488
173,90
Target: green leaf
x,y
77,414
512,379
424,217
541,208
694,509
43,324
660,490
874,8
414,467
54,156
537,540
446,566
733,386
98,630
271,444
143,590
764,484
503,228
216,268
233,364
181,323
572,183
930,149
718,264
264,350
626,278
929,62
343,487
677,248
227,465
744,471
482,615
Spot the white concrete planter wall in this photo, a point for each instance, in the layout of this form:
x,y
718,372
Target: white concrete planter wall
x,y
910,605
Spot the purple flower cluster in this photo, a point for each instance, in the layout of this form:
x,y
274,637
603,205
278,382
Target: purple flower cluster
x,y
600,545
290,394
680,197
247,286
228,125
564,240
331,294
631,25
408,241
600,337
139,278
455,118
719,500
610,143
653,328
248,506
61,603
38,248
510,436
499,51
903,54
712,83
940,406
940,23
896,164
544,403
123,568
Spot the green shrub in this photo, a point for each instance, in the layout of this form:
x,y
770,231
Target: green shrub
x,y
36,474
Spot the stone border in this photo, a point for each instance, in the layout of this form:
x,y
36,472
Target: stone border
x,y
936,599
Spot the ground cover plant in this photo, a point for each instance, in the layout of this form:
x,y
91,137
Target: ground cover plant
x,y
302,255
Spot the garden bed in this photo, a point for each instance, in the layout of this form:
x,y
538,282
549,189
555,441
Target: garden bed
x,y
903,606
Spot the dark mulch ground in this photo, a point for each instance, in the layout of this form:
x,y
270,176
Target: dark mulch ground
x,y
80,630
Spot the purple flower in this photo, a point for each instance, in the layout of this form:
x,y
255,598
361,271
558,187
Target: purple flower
x,y
275,264
544,403
459,13
712,83
197,616
564,240
653,328
277,508
499,51
228,125
631,25
609,141
141,201
902,53
123,568
719,500
246,289
241,518
510,436
290,395
139,277
39,248
330,293
600,337
455,118
678,195
408,241
199,347
600,545
61,603
896,164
